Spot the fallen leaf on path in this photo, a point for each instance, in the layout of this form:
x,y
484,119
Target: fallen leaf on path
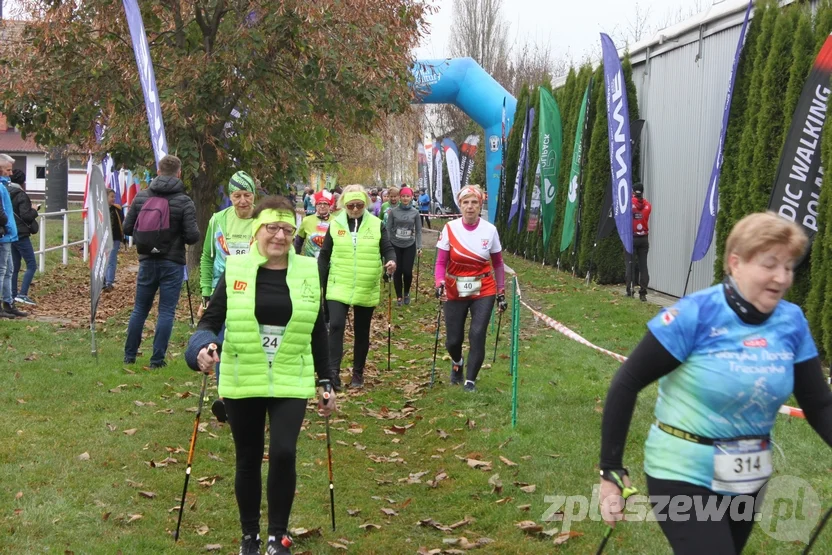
x,y
131,431
496,484
507,462
478,464
18,495
430,523
111,427
369,526
303,533
147,494
528,489
443,434
202,530
337,545
133,518
529,527
524,507
389,512
465,521
353,512
84,456
503,501
213,547
566,536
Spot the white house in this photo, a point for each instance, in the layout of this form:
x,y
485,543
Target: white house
x,y
31,159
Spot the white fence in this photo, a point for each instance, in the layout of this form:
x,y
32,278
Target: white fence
x,y
65,244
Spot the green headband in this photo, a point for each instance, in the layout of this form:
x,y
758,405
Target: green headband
x,y
270,216
240,181
355,195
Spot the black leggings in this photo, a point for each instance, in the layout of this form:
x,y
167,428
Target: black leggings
x,y
725,536
455,314
425,220
247,418
362,316
405,256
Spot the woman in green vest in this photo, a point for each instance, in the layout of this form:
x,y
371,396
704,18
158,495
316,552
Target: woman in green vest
x,y
228,234
350,265
275,342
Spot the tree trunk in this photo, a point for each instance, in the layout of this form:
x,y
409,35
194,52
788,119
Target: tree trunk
x,y
204,195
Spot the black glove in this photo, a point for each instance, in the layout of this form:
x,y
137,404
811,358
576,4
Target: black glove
x,y
502,305
440,291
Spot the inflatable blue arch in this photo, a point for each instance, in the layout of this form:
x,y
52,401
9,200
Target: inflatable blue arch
x,y
465,84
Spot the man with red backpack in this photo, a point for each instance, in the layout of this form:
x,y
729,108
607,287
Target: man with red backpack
x,y
162,220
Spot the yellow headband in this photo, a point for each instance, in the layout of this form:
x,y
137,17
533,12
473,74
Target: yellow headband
x,y
355,195
269,216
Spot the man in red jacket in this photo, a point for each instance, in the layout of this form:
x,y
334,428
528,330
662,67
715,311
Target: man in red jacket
x,y
641,229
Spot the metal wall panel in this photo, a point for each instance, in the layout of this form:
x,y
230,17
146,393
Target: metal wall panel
x,y
681,94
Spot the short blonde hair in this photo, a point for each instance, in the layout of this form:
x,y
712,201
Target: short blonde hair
x,y
393,191
352,189
759,232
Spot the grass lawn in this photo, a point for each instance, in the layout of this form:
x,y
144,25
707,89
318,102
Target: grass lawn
x,y
93,453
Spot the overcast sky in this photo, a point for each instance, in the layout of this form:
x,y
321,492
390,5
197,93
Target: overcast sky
x,y
570,28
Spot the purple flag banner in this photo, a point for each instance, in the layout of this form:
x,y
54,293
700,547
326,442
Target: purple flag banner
x,y
618,120
707,222
525,170
468,151
147,78
521,169
437,172
452,161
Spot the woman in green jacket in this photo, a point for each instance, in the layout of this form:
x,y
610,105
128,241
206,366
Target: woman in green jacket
x,y
350,265
275,342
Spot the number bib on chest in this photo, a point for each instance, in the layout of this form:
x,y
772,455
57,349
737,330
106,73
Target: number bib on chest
x,y
270,338
468,286
742,466
402,233
238,249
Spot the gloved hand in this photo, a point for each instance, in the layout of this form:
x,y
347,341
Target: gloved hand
x,y
440,291
205,301
502,305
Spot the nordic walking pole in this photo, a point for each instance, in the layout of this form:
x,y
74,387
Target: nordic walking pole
x,y
497,339
212,349
190,306
389,316
436,342
817,531
326,395
418,265
625,493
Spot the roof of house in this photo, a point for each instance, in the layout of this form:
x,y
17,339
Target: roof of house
x,y
12,141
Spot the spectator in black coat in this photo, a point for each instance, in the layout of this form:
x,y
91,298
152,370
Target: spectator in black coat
x,y
117,232
26,218
163,271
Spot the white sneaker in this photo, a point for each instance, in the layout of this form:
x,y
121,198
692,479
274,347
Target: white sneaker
x,y
24,299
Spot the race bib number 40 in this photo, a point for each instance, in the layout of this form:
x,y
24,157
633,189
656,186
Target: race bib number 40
x,y
468,287
270,339
741,466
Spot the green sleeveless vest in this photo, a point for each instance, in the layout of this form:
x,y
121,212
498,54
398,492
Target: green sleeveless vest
x,y
246,371
355,268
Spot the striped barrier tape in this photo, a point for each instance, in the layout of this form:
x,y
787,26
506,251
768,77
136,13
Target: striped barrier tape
x,y
560,328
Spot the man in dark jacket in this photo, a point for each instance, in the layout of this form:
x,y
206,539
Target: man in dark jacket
x,y
116,226
26,217
163,271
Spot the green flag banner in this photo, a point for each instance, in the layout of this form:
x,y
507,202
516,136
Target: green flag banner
x,y
550,139
572,198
